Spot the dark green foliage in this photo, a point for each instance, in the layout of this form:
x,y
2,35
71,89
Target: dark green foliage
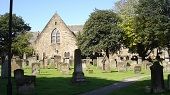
x,y
100,33
21,45
19,28
151,23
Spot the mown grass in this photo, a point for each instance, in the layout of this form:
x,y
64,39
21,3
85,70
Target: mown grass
x,y
53,82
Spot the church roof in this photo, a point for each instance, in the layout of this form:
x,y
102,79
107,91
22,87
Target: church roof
x,y
75,28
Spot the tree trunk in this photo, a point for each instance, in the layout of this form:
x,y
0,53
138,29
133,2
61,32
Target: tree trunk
x,y
107,53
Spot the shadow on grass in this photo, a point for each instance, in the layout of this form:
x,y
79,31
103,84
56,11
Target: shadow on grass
x,y
60,85
138,88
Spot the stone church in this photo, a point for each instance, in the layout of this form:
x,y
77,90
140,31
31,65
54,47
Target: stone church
x,y
56,39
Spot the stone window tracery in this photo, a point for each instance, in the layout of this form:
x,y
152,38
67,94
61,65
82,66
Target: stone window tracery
x,y
55,36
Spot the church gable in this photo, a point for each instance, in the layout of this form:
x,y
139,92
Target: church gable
x,y
55,39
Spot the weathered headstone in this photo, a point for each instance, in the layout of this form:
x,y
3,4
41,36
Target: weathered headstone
x,y
31,60
121,66
94,62
106,64
4,68
18,74
19,77
167,68
113,64
99,62
35,68
146,64
57,60
45,62
78,75
157,80
52,63
168,81
64,68
28,88
16,63
137,69
24,60
84,66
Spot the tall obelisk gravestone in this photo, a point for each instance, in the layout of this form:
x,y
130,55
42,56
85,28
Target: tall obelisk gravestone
x,y
78,75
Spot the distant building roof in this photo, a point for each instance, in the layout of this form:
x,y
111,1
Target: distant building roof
x,y
34,36
75,28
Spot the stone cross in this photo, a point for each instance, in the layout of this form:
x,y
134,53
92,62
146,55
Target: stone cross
x,y
78,75
157,81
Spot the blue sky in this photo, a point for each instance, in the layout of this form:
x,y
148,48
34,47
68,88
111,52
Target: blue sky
x,y
38,12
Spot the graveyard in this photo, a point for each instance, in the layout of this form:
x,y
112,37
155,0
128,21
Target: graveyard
x,y
124,50
49,80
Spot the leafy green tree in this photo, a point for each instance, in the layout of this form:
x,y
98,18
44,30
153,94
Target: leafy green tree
x,y
19,27
21,45
151,23
101,33
126,10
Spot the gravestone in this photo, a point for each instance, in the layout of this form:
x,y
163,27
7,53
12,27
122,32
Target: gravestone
x,y
168,81
52,63
64,68
41,64
167,68
35,68
84,65
137,69
146,64
19,77
57,60
113,64
18,74
78,75
95,62
121,66
157,81
99,62
28,88
24,60
45,63
16,63
31,60
4,68
106,64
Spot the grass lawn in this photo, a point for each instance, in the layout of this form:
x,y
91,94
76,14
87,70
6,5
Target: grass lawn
x,y
138,88
53,82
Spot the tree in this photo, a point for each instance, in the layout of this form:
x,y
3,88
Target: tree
x,y
100,33
21,45
151,23
126,10
19,27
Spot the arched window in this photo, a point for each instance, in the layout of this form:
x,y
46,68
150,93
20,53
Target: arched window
x,y
55,36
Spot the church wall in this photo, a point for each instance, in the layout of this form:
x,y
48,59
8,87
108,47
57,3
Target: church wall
x,y
67,40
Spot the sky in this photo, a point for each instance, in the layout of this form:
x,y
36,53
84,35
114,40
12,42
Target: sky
x,y
37,13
